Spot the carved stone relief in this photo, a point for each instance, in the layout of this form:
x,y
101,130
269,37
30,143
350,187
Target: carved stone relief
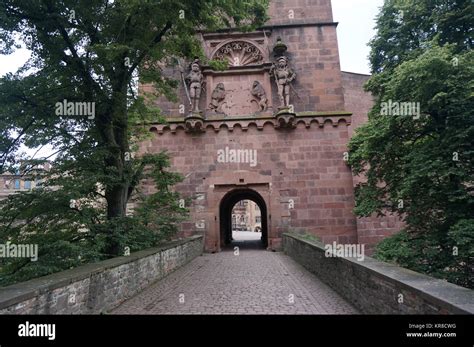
x,y
217,98
258,92
239,53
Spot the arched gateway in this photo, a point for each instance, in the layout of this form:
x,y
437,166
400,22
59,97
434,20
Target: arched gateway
x,y
273,127
225,213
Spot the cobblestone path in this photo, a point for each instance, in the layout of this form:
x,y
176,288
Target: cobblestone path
x,y
254,282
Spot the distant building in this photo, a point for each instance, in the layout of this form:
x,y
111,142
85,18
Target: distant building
x,y
11,183
246,216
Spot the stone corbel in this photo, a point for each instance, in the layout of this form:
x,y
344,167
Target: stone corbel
x,y
194,123
285,119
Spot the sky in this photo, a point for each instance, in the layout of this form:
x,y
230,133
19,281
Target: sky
x,y
356,27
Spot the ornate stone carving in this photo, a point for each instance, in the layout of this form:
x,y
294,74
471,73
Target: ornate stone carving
x,y
240,53
285,119
283,75
280,48
194,123
195,80
217,97
258,92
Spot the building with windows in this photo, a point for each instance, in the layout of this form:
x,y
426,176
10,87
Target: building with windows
x,y
21,180
246,216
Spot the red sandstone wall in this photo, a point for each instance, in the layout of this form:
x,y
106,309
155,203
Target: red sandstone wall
x,y
370,230
314,56
305,11
356,100
313,51
303,164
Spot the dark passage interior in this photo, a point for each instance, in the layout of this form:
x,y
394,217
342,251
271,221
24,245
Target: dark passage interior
x,y
231,201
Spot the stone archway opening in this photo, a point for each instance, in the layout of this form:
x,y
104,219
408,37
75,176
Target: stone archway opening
x,y
243,200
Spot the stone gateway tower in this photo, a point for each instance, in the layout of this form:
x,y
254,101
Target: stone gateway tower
x,y
272,128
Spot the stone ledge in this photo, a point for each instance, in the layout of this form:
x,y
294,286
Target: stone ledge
x,y
425,291
269,27
299,23
31,290
216,122
265,115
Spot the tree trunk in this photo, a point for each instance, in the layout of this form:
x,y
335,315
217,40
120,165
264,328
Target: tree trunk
x,y
116,201
116,193
116,208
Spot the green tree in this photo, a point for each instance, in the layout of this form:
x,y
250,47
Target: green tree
x,y
421,165
95,51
